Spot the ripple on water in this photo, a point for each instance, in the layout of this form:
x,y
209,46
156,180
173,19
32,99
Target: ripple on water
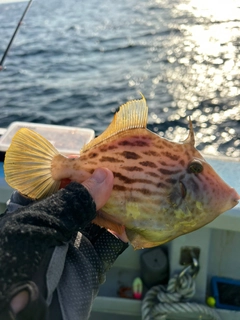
x,y
77,68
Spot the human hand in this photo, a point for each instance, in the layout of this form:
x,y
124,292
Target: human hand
x,y
99,185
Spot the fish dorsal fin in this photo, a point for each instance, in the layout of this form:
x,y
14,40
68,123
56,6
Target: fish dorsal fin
x,y
132,114
190,139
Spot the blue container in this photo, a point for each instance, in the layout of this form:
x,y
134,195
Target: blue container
x,y
1,170
226,293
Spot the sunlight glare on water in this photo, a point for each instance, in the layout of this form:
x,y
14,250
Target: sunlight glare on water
x,y
216,10
74,62
204,77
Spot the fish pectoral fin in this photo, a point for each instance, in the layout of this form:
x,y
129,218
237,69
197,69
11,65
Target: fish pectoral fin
x,y
27,164
139,241
133,114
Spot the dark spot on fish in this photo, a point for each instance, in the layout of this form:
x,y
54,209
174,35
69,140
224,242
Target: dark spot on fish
x,y
103,149
144,191
112,147
168,172
106,148
170,180
92,155
140,143
110,159
133,168
182,162
136,199
157,146
171,156
137,143
91,162
119,188
76,166
163,163
165,143
91,170
129,180
130,155
125,143
153,174
151,153
148,164
123,178
161,185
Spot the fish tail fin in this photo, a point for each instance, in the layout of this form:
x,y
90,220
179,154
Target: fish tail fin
x,y
27,164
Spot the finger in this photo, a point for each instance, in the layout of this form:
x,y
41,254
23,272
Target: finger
x,y
20,301
25,303
100,186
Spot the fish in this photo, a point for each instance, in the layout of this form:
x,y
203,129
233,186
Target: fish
x,y
162,189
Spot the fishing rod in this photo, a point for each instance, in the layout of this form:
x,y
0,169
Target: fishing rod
x,y
14,34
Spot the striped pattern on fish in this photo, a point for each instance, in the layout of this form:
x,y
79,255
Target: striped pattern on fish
x,y
161,189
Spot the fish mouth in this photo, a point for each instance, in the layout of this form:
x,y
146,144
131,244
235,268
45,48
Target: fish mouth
x,y
236,197
183,189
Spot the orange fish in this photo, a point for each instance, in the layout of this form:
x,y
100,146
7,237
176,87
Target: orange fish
x,y
161,189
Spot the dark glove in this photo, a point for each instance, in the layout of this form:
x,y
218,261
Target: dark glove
x,y
28,233
107,246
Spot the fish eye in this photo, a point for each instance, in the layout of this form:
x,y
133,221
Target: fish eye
x,y
195,167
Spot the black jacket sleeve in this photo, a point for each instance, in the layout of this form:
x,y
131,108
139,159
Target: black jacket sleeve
x,y
27,233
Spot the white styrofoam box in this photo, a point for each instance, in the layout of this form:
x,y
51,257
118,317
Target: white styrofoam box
x,y
67,140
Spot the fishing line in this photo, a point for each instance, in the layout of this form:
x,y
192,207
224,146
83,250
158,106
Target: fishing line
x,y
14,34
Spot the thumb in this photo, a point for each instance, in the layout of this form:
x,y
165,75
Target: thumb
x,y
100,186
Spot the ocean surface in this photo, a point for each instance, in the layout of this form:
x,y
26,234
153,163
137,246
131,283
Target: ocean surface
x,y
74,62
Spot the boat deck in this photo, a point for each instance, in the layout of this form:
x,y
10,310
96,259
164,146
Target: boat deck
x,y
219,244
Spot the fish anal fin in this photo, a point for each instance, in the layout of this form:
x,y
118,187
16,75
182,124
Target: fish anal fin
x,y
104,221
27,164
133,114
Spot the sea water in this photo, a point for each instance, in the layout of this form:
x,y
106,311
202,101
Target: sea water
x,y
74,62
